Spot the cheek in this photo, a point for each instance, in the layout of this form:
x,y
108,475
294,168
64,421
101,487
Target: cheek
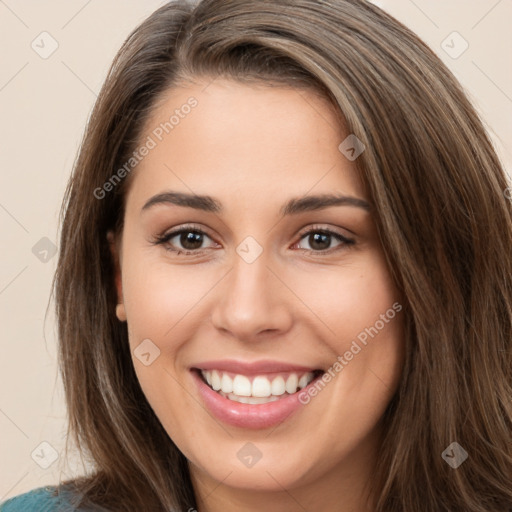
x,y
349,298
163,304
360,312
157,295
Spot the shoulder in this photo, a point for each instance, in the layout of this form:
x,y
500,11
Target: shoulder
x,y
42,499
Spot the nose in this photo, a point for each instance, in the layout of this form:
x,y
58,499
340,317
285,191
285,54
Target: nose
x,y
252,302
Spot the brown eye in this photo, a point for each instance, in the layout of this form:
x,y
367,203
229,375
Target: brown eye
x,y
190,240
186,240
320,240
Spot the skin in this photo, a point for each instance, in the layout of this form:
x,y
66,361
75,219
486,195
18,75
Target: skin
x,y
253,148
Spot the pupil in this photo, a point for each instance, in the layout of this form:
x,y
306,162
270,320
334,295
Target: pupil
x,y
192,238
320,237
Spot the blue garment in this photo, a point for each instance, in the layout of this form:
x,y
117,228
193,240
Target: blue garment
x,y
38,500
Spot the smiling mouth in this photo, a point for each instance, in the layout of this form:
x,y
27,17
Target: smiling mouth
x,y
257,389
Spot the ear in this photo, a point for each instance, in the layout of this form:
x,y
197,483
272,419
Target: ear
x,y
115,251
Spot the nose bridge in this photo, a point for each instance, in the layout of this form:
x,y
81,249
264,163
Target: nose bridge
x,y
250,272
251,299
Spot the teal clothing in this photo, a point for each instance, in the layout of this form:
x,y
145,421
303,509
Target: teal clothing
x,y
39,500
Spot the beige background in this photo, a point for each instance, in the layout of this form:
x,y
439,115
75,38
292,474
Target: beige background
x,y
44,104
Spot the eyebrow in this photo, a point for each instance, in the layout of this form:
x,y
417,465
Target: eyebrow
x,y
293,206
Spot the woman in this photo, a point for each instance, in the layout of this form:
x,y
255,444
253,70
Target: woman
x,y
212,360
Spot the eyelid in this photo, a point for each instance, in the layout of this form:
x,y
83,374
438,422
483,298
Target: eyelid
x,y
345,241
321,227
188,227
166,236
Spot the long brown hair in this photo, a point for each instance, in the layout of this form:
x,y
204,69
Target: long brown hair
x,y
443,218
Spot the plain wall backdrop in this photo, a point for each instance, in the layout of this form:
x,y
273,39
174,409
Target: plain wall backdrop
x,y
55,56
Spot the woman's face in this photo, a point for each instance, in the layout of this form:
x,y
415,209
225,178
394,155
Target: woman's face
x,y
257,294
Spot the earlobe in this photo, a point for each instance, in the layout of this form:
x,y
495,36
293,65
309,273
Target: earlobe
x,y
120,309
121,313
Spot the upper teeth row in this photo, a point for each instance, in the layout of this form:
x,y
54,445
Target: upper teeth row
x,y
261,386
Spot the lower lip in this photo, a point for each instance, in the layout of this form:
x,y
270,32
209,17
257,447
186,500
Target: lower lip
x,y
255,416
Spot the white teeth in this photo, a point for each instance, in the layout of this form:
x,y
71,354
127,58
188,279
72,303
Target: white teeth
x,y
304,381
261,389
215,380
278,387
249,399
226,383
241,385
291,383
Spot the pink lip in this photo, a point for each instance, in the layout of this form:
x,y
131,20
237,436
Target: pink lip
x,y
252,368
253,416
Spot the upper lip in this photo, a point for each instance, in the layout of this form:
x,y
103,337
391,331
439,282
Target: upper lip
x,y
252,367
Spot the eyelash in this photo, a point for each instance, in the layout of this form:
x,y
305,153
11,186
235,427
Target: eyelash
x,y
164,239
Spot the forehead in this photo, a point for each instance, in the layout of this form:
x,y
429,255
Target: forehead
x,y
234,140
